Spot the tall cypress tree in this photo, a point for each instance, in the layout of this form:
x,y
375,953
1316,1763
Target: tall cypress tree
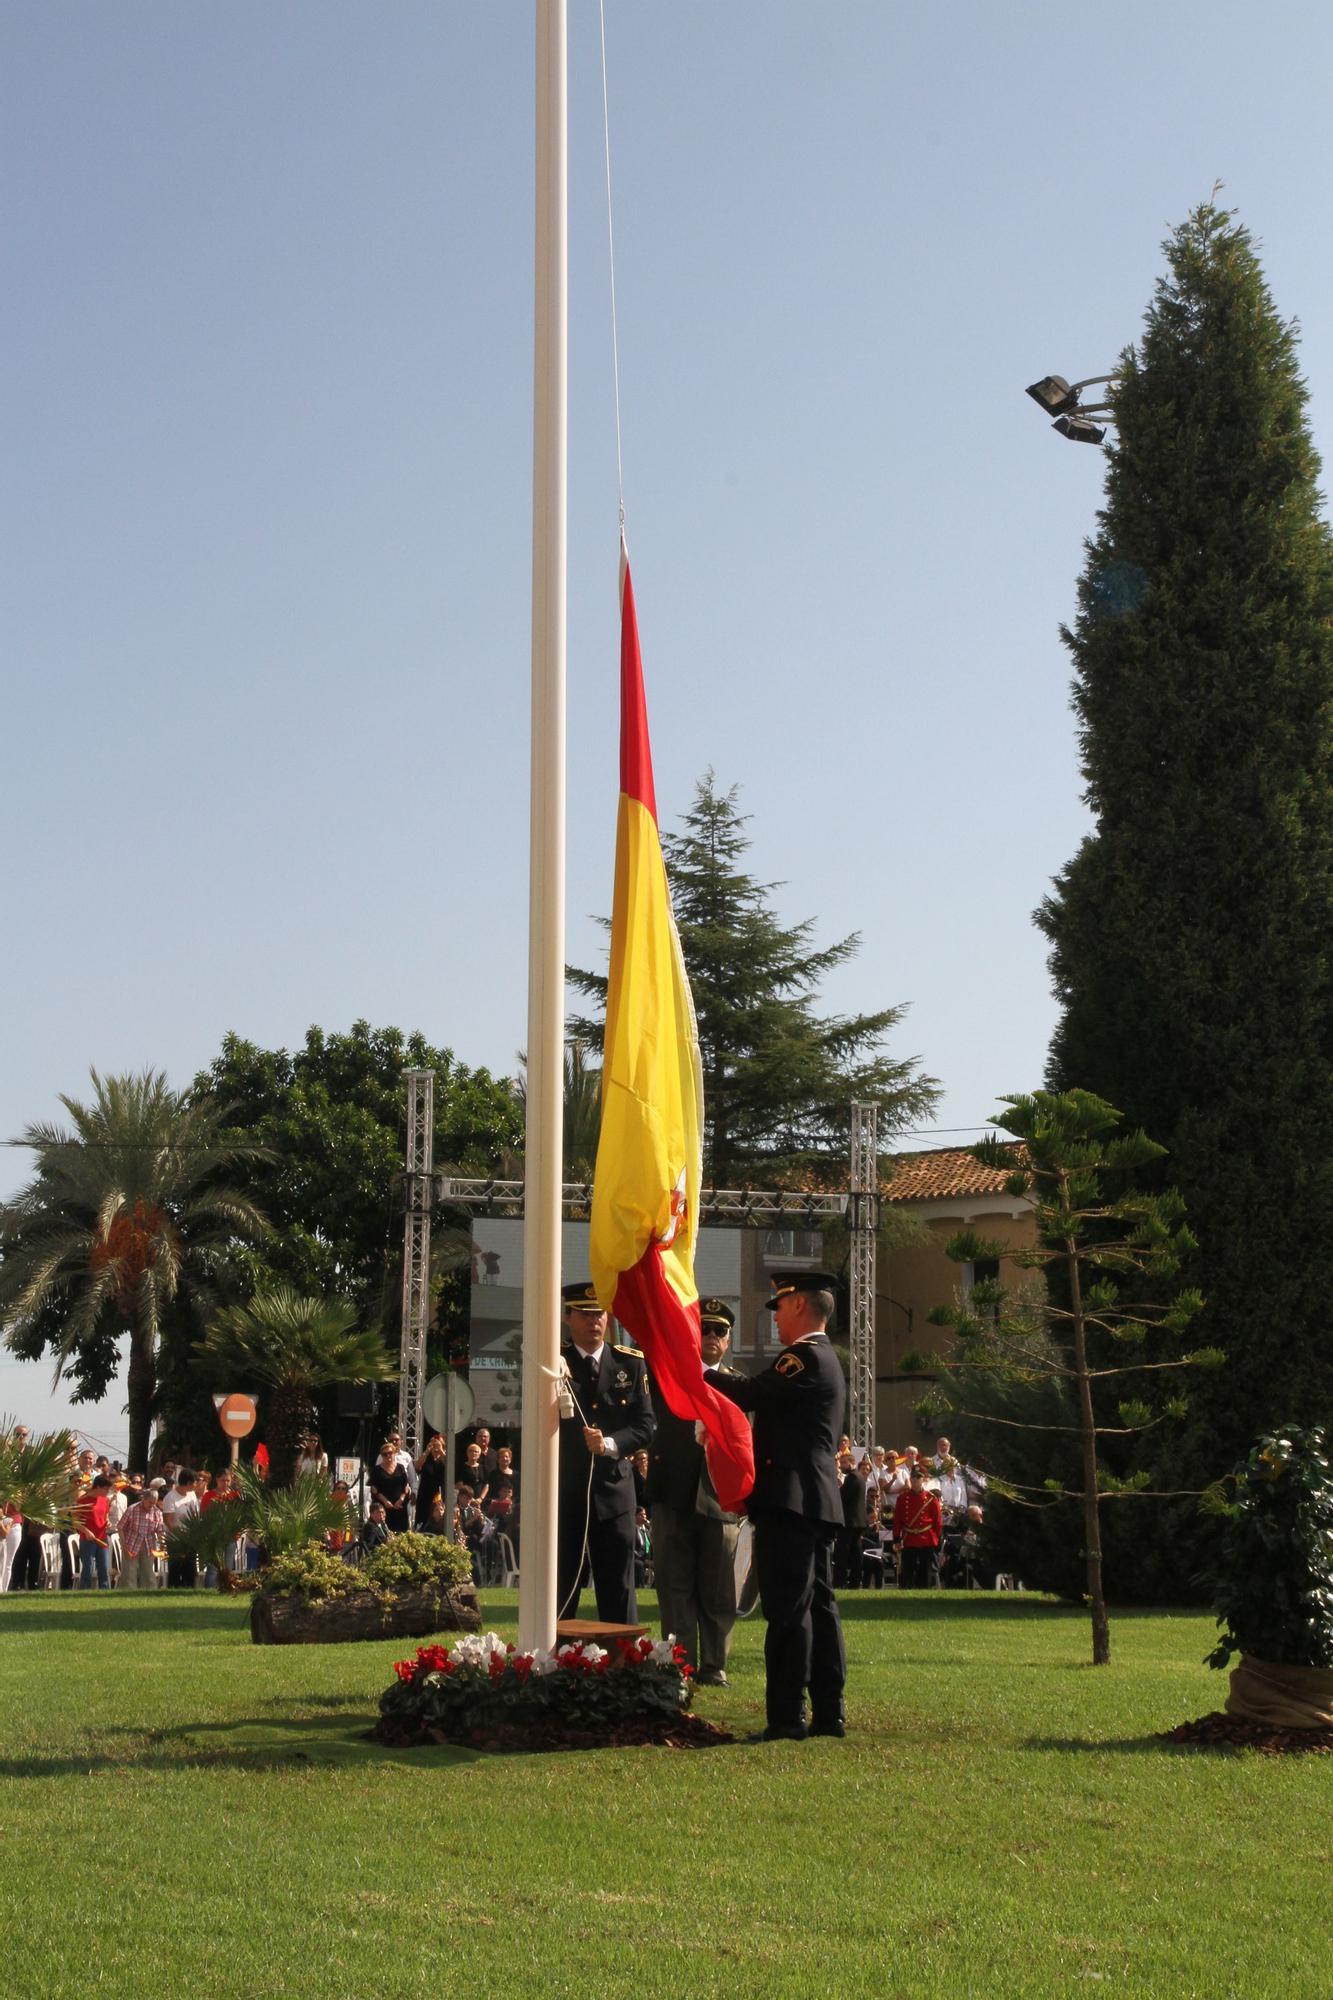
x,y
1190,934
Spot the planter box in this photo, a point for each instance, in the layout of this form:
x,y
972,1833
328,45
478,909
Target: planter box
x,y
300,1621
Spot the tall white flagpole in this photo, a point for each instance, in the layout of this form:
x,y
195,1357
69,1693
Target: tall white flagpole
x,y
543,1172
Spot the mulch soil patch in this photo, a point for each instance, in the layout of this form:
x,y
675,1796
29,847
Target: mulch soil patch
x,y
681,1732
1227,1732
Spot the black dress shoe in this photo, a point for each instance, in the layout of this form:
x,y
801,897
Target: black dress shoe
x,y
794,1732
711,1677
833,1727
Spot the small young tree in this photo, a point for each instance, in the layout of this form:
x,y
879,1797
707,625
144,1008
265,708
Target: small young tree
x,y
1104,1249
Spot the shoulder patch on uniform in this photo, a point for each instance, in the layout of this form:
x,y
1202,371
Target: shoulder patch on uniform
x,y
789,1363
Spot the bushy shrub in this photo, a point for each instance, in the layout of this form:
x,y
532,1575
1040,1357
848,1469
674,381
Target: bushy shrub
x,y
1273,1591
418,1562
312,1571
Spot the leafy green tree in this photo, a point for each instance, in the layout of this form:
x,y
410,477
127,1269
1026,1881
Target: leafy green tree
x,y
779,1079
1192,934
130,1218
331,1119
292,1346
1086,1338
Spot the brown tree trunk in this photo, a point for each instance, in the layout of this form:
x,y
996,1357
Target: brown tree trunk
x,y
1087,1425
141,1387
291,1418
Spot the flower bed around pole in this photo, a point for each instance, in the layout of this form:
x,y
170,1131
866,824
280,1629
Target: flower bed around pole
x,y
487,1695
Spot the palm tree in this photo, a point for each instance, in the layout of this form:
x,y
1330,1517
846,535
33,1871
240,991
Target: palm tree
x,y
125,1217
35,1474
583,1108
292,1346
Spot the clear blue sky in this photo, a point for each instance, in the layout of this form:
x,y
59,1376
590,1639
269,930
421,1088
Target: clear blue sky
x,y
266,337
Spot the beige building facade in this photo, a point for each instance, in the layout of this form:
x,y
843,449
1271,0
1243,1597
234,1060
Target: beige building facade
x,y
946,1191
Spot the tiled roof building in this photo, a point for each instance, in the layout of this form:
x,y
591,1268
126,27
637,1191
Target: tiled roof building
x,y
942,1176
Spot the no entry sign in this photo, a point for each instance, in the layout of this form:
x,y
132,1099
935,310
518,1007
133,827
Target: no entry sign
x,y
236,1414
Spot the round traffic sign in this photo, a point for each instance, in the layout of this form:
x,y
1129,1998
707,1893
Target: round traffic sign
x,y
447,1403
236,1414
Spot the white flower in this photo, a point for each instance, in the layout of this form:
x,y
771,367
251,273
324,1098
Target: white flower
x,y
477,1648
662,1651
594,1653
544,1662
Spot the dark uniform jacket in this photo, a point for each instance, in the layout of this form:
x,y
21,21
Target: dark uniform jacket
x,y
800,1406
616,1402
677,1469
853,1491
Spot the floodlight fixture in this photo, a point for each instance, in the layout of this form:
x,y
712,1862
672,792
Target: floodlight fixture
x,y
1073,420
1054,395
1079,429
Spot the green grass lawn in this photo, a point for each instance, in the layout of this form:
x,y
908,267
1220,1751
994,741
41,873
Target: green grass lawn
x,y
183,1812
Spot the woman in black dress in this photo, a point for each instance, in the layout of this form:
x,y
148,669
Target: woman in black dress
x,y
432,1477
388,1482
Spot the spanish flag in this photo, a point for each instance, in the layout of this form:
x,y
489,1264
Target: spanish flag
x,y
645,1201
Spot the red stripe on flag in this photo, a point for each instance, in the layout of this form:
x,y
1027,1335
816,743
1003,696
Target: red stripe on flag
x,y
636,757
668,1333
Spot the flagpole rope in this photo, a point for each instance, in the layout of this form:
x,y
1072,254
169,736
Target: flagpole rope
x,y
611,258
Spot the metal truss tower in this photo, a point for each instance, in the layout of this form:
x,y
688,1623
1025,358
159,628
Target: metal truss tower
x,y
418,1195
863,1223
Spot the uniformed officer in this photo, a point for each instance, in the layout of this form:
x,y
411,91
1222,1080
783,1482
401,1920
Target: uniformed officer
x,y
799,1407
613,1417
694,1542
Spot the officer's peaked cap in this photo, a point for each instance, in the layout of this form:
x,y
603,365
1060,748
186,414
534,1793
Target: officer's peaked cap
x,y
717,1314
580,1297
801,1281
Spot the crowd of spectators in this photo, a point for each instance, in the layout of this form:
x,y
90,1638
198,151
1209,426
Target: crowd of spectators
x,y
107,1509
477,1507
909,1520
118,1521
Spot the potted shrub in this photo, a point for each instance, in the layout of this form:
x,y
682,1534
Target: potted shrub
x,y
1274,1585
414,1585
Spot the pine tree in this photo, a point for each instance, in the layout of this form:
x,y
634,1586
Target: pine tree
x,y
779,1079
1191,933
1082,1353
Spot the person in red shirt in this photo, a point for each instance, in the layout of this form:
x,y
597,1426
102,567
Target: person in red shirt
x,y
90,1512
917,1524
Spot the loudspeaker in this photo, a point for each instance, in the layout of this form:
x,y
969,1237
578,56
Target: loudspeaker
x,y
356,1399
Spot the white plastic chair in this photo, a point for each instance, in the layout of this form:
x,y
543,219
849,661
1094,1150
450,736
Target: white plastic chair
x,y
51,1561
73,1544
508,1563
116,1554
